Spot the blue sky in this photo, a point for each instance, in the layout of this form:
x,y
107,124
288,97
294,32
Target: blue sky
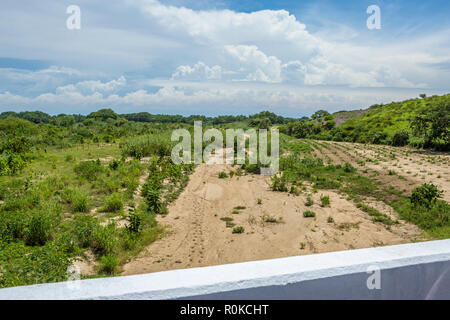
x,y
220,56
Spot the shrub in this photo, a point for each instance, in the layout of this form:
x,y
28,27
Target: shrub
x,y
113,203
108,263
330,220
89,169
80,203
38,229
84,230
146,146
278,184
239,229
12,225
114,165
104,241
425,195
309,214
135,222
400,138
349,168
153,197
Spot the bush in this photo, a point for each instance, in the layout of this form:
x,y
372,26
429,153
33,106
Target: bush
x,y
154,200
146,146
89,169
114,203
400,138
309,202
425,195
278,184
349,168
84,230
114,165
38,229
80,203
109,263
135,222
104,241
12,225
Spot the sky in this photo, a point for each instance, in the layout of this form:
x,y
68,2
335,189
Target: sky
x,y
216,57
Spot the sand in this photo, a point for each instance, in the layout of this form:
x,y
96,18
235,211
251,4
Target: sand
x,y
195,235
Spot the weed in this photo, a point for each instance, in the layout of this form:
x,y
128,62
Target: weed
x,y
223,175
239,229
325,201
309,214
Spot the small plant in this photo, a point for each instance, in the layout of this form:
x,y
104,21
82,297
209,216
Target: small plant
x,y
235,211
108,263
278,184
223,175
135,222
270,219
239,229
309,202
259,201
330,220
392,173
302,245
325,201
239,208
309,214
114,165
229,224
294,190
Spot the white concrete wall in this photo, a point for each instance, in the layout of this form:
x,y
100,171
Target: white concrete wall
x,y
410,271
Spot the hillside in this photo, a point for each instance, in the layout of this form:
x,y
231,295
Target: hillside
x,y
423,123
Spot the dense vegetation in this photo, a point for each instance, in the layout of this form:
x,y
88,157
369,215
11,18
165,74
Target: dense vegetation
x,y
421,123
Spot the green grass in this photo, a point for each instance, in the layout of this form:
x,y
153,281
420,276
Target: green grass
x,y
238,230
435,220
309,214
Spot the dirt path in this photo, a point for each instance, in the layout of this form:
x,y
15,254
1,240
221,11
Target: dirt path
x,y
196,235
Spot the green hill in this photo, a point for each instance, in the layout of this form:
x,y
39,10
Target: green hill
x,y
423,122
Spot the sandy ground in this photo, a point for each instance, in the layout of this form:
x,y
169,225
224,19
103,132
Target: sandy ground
x,y
412,168
196,235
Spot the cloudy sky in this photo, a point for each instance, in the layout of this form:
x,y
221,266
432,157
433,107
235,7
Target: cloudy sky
x,y
220,56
